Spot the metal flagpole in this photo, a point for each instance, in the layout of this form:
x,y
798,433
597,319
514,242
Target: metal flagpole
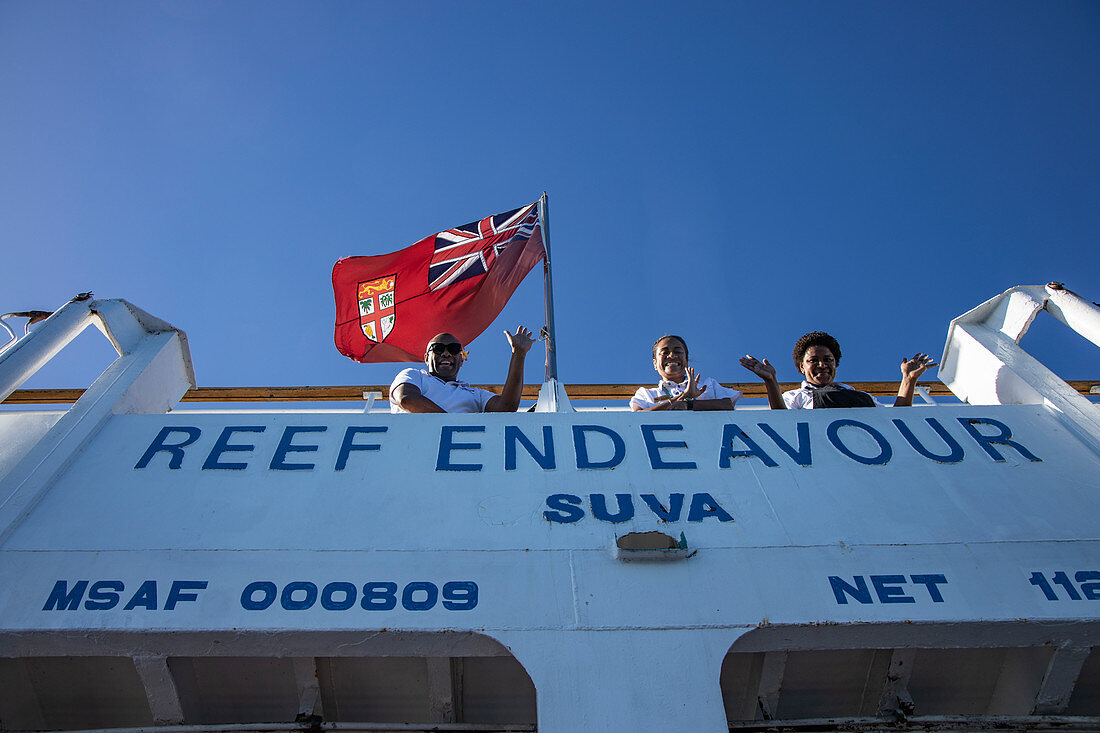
x,y
551,347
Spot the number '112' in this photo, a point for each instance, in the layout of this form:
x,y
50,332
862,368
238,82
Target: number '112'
x,y
1089,585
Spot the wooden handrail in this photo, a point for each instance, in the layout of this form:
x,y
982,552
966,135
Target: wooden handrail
x,y
354,393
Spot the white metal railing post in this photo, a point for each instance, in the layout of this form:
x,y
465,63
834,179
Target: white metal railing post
x,y
1071,309
983,363
11,334
26,356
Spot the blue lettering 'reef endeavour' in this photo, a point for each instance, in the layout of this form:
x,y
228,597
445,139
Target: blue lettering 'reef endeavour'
x,y
595,447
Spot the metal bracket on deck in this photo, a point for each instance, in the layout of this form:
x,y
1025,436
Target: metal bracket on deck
x,y
552,398
983,363
153,370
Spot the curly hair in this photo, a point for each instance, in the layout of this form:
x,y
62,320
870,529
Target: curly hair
x,y
670,336
815,338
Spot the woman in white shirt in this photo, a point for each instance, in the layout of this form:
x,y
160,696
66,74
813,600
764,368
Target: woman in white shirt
x,y
817,355
680,388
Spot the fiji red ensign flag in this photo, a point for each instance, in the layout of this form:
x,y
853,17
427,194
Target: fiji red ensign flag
x,y
389,306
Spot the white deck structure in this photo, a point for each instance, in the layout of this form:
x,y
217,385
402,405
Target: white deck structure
x,y
933,567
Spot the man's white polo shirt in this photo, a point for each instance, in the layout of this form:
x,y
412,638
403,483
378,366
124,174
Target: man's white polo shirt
x,y
803,397
648,396
451,396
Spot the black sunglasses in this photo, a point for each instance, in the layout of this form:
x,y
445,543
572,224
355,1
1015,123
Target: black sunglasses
x,y
438,349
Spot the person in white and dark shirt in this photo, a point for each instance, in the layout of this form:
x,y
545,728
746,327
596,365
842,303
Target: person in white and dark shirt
x,y
817,355
680,387
438,389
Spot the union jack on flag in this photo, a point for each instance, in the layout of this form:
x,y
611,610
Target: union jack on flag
x,y
455,281
470,250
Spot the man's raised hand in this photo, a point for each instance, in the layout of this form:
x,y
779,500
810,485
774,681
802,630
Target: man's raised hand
x,y
521,341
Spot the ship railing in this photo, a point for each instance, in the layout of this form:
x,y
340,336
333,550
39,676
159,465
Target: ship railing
x,y
584,396
150,352
982,364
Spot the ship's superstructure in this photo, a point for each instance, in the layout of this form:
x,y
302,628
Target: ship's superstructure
x,y
932,567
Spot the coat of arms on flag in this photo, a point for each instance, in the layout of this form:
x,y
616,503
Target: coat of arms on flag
x,y
376,307
456,280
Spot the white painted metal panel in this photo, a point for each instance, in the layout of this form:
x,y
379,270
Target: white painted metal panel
x,y
20,431
399,497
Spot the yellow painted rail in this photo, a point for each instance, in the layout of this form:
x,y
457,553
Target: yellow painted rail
x,y
354,392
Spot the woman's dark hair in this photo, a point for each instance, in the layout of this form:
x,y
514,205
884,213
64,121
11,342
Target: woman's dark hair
x,y
815,338
670,336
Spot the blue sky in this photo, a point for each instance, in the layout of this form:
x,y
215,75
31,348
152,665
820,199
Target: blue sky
x,y
739,173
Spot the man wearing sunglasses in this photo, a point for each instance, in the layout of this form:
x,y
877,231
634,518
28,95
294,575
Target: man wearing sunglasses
x,y
438,389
